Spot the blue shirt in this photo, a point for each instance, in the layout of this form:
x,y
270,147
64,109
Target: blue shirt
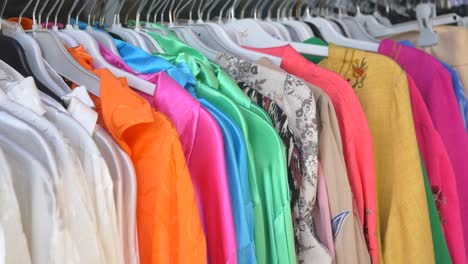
x,y
235,149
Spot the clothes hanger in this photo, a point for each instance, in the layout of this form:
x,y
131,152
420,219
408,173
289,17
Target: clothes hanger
x,y
332,36
17,58
257,13
68,41
61,61
99,61
101,37
380,31
127,35
214,34
303,31
33,53
253,35
192,39
268,26
152,45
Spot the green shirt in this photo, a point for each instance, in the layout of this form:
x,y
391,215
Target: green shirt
x,y
441,252
274,240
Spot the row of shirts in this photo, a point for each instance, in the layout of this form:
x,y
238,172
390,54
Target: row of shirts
x,y
237,161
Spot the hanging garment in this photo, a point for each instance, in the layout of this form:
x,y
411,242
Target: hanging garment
x,y
15,243
188,118
169,226
450,48
70,185
434,84
357,150
378,81
265,164
202,144
97,177
457,87
297,100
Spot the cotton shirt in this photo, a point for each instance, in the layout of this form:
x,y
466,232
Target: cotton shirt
x,y
354,130
382,88
15,241
169,225
70,186
435,86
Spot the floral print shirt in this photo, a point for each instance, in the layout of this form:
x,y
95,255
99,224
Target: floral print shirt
x,y
297,102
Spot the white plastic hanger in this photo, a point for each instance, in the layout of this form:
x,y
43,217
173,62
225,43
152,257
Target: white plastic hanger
x,y
152,45
258,11
33,53
302,30
252,34
213,34
330,35
127,35
61,61
380,31
101,37
92,48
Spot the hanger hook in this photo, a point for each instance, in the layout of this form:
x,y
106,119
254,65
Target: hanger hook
x,y
221,11
39,16
129,10
208,13
270,9
75,3
80,11
20,17
163,10
150,10
180,8
156,13
2,11
59,8
191,11
202,7
233,9
245,7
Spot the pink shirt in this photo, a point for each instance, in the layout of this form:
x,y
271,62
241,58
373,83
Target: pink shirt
x,y
434,84
355,133
203,146
440,174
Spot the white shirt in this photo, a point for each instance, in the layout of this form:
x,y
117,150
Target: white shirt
x,y
71,188
14,246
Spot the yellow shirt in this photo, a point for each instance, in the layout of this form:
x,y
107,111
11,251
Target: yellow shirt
x,y
382,88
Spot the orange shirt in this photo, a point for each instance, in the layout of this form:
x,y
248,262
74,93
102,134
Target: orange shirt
x,y
169,226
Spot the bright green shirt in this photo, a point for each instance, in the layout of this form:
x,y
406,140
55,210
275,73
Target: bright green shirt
x,y
441,252
274,240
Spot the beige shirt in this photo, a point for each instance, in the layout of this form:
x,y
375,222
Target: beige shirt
x,y
451,49
350,244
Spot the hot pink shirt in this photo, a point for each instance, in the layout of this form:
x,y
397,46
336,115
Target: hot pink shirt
x,y
440,173
434,84
203,146
355,133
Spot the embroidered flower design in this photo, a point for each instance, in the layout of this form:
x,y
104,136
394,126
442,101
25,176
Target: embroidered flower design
x,y
359,73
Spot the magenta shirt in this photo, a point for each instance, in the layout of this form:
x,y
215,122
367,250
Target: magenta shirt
x,y
441,138
203,146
